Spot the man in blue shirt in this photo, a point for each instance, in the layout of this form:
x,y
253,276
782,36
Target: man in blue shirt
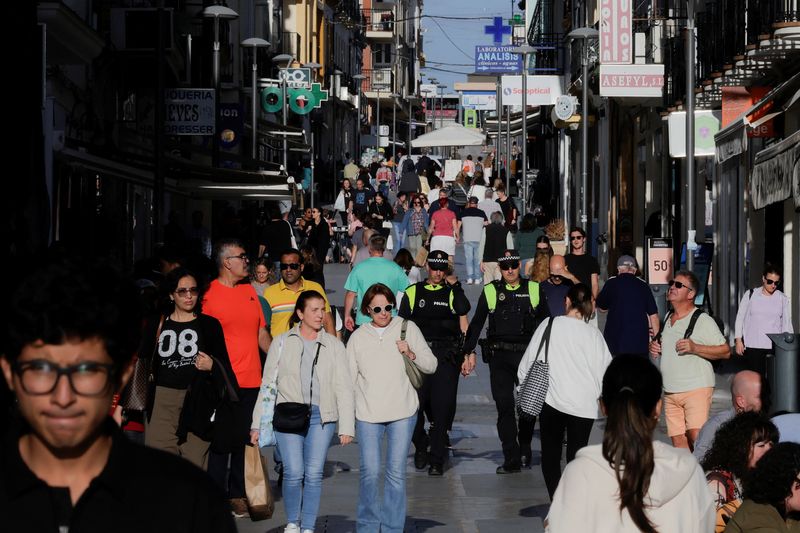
x,y
632,311
375,269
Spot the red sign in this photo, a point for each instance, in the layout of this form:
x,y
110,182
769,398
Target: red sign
x,y
616,33
767,129
736,101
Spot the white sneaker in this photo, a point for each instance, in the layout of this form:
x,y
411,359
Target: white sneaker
x,y
478,281
469,281
291,528
308,531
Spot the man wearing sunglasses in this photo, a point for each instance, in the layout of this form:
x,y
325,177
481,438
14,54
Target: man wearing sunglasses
x,y
580,264
686,360
436,306
282,296
515,307
69,340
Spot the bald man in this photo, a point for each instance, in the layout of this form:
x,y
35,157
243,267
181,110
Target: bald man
x,y
557,285
747,394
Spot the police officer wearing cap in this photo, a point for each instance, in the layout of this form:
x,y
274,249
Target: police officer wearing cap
x,y
436,306
515,307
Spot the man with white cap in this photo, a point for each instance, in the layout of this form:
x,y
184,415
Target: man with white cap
x,y
632,311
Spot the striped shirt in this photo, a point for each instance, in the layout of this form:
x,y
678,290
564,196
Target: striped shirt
x,y
282,299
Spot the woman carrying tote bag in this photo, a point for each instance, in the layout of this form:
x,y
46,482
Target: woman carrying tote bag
x,y
307,380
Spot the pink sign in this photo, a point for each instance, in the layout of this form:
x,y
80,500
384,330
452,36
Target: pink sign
x,y
616,33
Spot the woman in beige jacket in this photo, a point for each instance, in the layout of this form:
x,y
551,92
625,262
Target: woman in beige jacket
x,y
311,369
386,403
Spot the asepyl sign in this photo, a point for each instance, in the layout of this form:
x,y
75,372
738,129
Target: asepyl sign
x,y
616,33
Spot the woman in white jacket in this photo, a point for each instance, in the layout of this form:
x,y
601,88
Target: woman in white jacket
x,y
386,403
577,356
309,367
630,483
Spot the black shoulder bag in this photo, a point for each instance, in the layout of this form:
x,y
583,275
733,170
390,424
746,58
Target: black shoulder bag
x,y
294,417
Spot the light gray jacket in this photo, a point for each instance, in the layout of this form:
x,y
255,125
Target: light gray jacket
x,y
336,387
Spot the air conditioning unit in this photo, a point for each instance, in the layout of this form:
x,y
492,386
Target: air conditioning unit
x,y
382,79
136,29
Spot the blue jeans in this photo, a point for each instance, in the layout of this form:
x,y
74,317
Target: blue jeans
x,y
391,515
472,260
398,237
303,461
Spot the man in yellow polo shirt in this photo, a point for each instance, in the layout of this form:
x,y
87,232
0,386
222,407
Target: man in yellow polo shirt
x,y
282,296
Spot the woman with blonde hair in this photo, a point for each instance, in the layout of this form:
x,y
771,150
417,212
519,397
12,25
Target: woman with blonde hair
x,y
538,270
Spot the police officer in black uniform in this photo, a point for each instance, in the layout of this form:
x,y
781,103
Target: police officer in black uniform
x,y
515,307
436,306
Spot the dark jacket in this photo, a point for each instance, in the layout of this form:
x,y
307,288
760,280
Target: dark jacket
x,y
409,180
752,517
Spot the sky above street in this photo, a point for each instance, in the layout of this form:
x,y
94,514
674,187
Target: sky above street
x,y
448,44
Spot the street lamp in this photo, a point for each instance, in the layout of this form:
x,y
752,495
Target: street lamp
x,y
255,43
441,87
585,35
691,245
217,12
335,89
524,51
313,66
287,59
359,78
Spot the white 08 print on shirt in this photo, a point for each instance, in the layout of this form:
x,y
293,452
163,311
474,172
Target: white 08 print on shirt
x,y
183,344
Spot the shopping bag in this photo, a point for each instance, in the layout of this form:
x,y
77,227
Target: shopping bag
x,y
260,503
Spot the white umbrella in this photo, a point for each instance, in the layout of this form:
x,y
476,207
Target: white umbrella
x,y
452,135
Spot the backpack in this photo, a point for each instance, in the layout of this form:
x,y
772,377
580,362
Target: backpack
x,y
692,322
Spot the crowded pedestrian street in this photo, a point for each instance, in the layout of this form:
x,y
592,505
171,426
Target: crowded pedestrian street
x,y
401,266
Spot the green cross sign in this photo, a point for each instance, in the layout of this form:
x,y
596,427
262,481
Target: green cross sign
x,y
301,100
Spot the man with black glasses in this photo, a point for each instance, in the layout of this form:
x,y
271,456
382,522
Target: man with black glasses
x,y
68,348
515,308
688,343
237,308
282,296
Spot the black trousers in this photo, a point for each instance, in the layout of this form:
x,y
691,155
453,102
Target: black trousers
x,y
232,482
552,425
756,359
437,399
515,439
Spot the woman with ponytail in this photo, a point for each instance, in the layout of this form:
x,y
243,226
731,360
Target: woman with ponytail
x,y
630,483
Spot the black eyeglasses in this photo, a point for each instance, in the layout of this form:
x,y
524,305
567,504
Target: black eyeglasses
x,y
40,377
509,265
293,266
771,281
185,291
575,237
556,278
243,257
377,309
679,285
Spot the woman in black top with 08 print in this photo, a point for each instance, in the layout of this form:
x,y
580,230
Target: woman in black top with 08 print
x,y
189,360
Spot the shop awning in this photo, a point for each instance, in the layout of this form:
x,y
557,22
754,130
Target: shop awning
x,y
775,102
515,120
776,173
730,141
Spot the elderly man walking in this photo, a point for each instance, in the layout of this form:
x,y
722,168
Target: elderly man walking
x,y
237,308
688,343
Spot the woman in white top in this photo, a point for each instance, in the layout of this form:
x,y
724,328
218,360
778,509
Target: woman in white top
x,y
578,356
386,404
763,310
630,483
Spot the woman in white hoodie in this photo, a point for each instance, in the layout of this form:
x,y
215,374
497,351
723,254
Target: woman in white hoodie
x,y
386,404
630,483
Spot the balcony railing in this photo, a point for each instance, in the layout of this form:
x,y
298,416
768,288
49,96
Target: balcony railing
x,y
377,79
378,19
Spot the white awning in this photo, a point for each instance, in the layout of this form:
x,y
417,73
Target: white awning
x,y
451,135
776,173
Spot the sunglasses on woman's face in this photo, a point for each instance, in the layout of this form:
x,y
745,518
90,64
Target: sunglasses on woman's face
x,y
771,281
377,309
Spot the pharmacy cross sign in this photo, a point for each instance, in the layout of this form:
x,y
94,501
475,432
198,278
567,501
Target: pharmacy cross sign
x,y
497,30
